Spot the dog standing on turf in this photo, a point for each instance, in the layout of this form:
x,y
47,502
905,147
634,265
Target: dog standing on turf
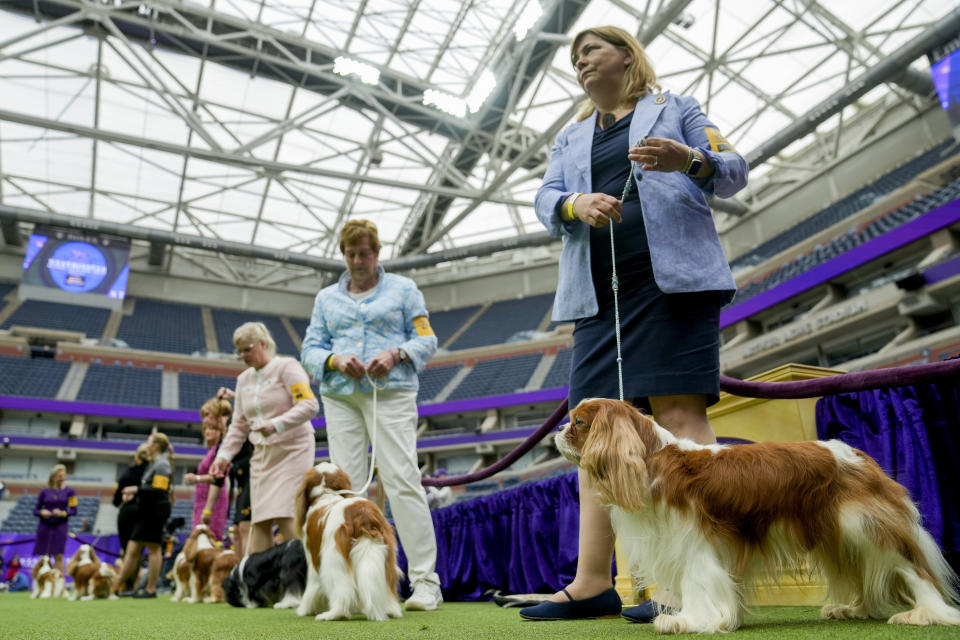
x,y
700,520
196,565
91,578
350,547
48,582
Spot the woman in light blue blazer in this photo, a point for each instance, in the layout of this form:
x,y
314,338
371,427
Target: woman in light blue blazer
x,y
672,273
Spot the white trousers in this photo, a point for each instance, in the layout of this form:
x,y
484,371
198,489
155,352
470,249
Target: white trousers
x,y
349,428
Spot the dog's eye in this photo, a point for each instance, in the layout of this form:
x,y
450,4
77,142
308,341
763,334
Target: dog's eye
x,y
577,422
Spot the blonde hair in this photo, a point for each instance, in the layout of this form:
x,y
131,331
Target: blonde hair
x,y
163,443
253,332
57,468
355,230
639,78
219,407
142,453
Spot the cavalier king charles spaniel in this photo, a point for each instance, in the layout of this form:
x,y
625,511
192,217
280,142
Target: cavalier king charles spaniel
x,y
47,580
700,520
201,567
350,548
91,578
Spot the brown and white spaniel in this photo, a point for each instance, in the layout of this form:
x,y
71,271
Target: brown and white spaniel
x,y
47,580
91,578
350,547
698,521
198,570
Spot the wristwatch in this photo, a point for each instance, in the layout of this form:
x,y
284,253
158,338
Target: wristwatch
x,y
696,164
402,355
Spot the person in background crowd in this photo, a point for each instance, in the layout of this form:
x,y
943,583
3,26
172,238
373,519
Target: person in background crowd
x,y
154,501
14,579
240,488
55,504
672,274
273,408
372,327
210,502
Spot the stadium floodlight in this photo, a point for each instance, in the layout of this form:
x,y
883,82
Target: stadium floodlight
x,y
445,102
528,17
345,66
481,90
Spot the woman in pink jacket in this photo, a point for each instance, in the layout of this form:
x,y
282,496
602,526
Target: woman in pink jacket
x,y
272,408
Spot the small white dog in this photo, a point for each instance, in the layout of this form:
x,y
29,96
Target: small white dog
x,y
351,551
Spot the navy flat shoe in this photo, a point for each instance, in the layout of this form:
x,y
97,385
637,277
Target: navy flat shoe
x,y
646,611
606,604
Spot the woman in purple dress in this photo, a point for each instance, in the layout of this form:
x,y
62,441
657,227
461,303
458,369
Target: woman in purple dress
x,y
210,502
55,504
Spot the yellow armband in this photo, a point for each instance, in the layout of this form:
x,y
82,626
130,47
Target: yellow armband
x,y
422,325
72,501
160,482
301,391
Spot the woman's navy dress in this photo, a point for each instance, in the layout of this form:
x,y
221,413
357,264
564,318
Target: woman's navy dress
x,y
670,342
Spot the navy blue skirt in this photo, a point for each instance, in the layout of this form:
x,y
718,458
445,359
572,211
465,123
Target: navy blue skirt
x,y
670,342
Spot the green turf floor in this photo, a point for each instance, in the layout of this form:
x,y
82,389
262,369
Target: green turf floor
x,y
21,617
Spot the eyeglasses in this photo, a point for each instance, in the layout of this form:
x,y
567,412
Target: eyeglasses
x,y
245,350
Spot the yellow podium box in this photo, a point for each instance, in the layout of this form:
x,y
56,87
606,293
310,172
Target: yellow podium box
x,y
759,420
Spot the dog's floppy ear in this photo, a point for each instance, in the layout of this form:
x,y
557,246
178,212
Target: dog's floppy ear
x,y
312,478
72,565
190,546
613,455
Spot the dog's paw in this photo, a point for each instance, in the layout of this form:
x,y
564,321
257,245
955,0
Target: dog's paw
x,y
670,624
331,615
843,612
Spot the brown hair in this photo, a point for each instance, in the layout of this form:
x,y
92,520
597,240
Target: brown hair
x,y
219,407
639,78
355,230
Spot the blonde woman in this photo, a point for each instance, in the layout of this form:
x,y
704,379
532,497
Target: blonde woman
x,y
672,273
273,406
153,496
55,504
210,501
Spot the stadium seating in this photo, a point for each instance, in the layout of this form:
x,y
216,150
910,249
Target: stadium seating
x,y
300,326
854,237
225,322
433,380
163,326
197,388
559,374
446,323
498,376
63,317
31,377
843,208
503,319
22,520
121,385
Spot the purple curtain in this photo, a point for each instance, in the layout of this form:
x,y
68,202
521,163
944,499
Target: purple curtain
x,y
914,434
522,540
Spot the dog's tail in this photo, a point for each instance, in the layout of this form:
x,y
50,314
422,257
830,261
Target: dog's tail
x,y
367,543
369,560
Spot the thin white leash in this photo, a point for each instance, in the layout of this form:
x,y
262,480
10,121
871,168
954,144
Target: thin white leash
x,y
614,281
373,445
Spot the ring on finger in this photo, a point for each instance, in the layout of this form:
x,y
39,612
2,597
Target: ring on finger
x,y
656,160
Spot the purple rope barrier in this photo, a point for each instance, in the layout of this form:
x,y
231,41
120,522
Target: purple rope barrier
x,y
842,383
508,459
